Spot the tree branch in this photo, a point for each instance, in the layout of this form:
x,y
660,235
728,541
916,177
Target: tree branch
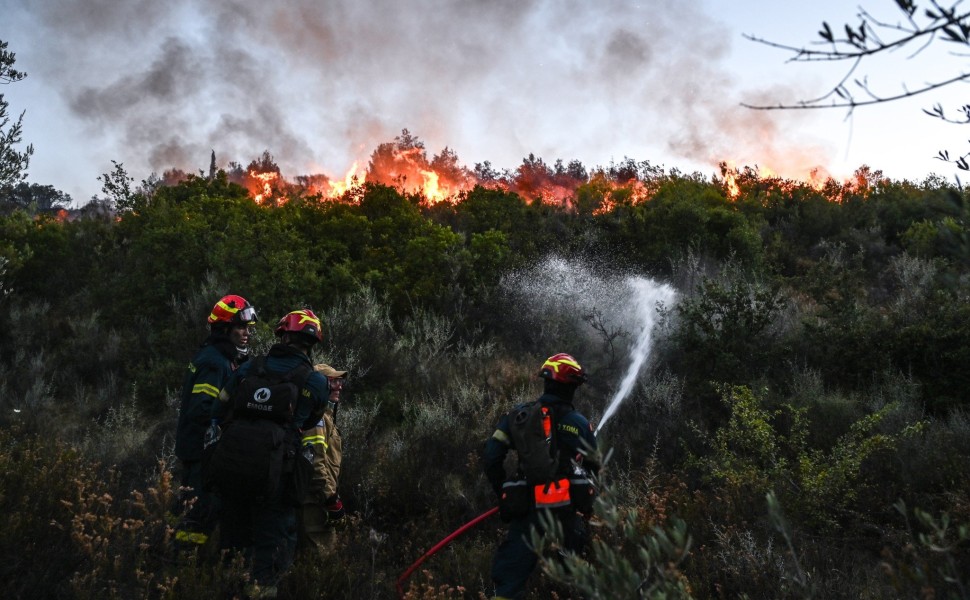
x,y
851,103
861,43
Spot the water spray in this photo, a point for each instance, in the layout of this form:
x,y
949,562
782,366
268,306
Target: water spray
x,y
573,288
559,287
646,298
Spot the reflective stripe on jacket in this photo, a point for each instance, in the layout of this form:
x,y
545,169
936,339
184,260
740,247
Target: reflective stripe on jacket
x,y
324,442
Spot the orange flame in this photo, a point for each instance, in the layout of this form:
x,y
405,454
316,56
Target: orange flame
x,y
266,189
731,183
430,188
404,165
409,170
351,180
735,178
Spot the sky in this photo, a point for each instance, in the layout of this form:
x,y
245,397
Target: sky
x,y
319,84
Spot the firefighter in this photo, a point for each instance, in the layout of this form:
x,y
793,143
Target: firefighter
x,y
263,526
226,347
571,436
322,509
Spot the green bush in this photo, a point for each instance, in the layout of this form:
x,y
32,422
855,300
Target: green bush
x,y
761,449
837,317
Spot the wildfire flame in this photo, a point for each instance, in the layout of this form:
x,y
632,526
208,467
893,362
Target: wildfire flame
x,y
817,178
408,169
404,165
351,180
264,183
430,188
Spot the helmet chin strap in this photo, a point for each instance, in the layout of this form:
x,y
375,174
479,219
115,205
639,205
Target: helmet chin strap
x,y
242,351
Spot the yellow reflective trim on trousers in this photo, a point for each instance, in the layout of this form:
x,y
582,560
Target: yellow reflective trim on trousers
x,y
192,537
311,440
501,436
205,388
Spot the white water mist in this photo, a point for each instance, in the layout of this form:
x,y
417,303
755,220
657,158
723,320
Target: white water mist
x,y
646,298
582,302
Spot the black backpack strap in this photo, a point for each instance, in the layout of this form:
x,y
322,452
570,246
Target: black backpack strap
x,y
559,410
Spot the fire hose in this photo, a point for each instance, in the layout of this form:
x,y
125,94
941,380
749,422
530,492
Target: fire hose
x,y
451,537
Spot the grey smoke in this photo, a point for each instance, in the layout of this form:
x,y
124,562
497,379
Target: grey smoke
x,y
321,83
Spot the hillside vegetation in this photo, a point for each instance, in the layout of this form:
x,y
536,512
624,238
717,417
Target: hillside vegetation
x,y
802,429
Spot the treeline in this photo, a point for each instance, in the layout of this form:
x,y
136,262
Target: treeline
x,y
817,356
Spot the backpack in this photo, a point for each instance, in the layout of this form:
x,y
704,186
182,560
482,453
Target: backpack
x,y
265,395
258,444
532,428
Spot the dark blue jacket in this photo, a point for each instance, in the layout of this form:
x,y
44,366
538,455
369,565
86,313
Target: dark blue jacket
x,y
574,438
207,373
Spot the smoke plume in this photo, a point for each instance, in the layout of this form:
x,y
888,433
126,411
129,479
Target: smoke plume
x,y
320,84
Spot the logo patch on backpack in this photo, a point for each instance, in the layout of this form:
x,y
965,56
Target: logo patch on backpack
x,y
532,429
265,395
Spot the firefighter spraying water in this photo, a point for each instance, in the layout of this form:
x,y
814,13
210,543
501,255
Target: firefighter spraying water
x,y
632,304
624,308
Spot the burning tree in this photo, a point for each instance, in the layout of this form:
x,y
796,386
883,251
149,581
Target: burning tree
x,y
404,164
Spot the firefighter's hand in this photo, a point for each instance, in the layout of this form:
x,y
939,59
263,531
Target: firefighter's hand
x,y
335,509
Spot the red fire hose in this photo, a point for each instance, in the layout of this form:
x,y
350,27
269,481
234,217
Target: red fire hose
x,y
439,546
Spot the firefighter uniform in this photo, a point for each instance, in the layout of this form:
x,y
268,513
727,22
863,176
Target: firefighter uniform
x,y
206,374
321,508
264,528
322,447
514,561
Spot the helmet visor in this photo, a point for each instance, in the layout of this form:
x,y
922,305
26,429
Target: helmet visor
x,y
246,315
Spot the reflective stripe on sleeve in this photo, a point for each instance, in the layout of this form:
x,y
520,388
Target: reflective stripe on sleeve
x,y
311,440
501,436
206,388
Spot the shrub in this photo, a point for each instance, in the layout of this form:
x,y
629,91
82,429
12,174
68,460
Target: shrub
x,y
760,449
933,560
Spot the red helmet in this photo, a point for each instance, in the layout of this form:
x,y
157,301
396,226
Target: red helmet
x,y
563,368
301,321
234,310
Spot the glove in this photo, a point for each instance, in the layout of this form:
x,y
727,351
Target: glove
x,y
212,434
335,509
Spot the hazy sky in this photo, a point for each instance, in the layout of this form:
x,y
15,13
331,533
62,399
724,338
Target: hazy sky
x,y
319,84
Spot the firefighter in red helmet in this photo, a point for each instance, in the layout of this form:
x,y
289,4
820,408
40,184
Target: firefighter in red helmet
x,y
271,398
555,447
226,347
